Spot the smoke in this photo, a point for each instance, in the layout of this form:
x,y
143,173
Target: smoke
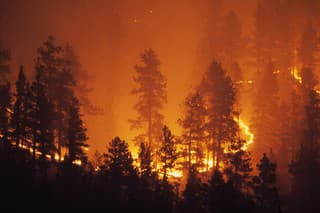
x,y
108,37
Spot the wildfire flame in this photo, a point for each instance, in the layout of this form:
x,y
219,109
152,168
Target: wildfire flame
x,y
246,130
296,75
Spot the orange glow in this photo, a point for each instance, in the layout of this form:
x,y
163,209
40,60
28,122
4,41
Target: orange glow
x,y
77,162
296,75
247,133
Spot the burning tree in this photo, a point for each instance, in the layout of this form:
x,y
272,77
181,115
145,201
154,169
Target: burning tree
x,y
194,131
220,93
151,92
168,154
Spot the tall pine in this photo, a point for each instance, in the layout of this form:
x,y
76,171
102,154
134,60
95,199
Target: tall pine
x,y
220,95
76,135
151,93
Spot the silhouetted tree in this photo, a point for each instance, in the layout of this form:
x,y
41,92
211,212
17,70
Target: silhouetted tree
x,y
168,153
194,131
193,194
21,109
238,166
122,174
265,189
305,167
287,144
220,93
57,76
42,116
97,160
119,159
145,160
151,92
5,111
77,136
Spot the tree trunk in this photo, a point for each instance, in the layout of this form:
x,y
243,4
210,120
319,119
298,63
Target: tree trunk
x,y
59,144
189,151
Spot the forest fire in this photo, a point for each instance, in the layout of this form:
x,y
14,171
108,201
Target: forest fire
x,y
160,106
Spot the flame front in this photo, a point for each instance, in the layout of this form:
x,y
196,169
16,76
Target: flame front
x,y
208,164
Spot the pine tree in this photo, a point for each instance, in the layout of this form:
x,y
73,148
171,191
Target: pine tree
x,y
168,154
151,92
220,93
285,149
193,124
42,115
218,197
81,76
261,34
20,109
238,166
76,134
148,178
305,167
97,161
5,114
266,193
119,159
265,119
193,195
267,19
232,38
121,174
56,75
145,160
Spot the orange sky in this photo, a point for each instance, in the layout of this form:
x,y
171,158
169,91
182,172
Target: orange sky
x,y
109,36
